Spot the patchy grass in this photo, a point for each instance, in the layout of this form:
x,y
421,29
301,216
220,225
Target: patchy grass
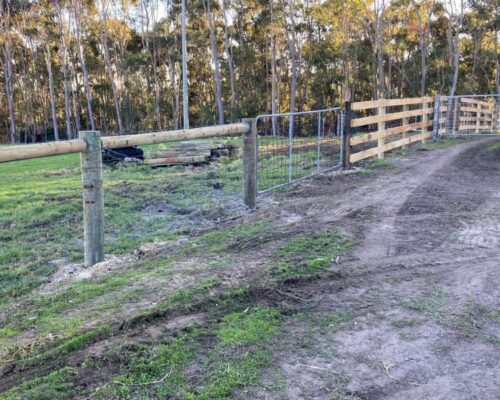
x,y
50,331
493,147
464,319
309,254
333,322
441,144
41,212
378,164
249,326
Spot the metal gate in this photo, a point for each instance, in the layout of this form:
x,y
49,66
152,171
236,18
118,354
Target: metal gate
x,y
295,146
469,115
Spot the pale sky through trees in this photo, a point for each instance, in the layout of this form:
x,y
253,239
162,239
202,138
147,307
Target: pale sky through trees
x,y
122,73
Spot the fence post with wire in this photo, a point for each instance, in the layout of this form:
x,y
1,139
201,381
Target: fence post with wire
x,y
294,146
90,144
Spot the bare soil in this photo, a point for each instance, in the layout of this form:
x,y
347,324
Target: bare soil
x,y
423,283
421,289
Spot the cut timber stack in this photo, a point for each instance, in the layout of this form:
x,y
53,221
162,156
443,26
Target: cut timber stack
x,y
192,152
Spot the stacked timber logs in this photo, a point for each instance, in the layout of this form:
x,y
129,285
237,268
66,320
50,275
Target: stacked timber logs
x,y
191,152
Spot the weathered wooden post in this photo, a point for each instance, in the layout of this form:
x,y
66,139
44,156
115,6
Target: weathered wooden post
x,y
436,121
93,198
381,140
496,115
425,118
478,117
346,136
250,163
406,121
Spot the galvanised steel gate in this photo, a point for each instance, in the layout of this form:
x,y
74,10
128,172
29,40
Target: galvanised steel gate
x,y
295,146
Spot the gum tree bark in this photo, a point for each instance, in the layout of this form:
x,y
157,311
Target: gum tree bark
x,y
52,96
81,56
215,59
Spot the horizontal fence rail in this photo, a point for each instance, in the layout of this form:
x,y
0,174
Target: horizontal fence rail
x,y
469,115
90,145
279,149
295,146
25,152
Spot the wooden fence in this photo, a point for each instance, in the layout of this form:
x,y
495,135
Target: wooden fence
x,y
90,145
385,125
463,114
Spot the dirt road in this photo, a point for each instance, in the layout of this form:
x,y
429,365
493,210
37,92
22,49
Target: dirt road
x,y
423,283
412,312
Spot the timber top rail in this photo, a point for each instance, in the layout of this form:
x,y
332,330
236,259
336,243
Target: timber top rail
x,y
90,145
25,152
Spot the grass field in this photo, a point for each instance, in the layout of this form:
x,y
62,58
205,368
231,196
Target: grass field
x,y
44,324
193,319
41,211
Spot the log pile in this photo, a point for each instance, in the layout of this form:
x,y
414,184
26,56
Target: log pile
x,y
191,152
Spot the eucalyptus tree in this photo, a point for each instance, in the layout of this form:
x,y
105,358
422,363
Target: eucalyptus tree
x,y
78,13
215,60
7,62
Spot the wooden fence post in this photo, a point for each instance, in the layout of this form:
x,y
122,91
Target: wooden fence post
x,y
250,163
93,198
346,136
496,115
381,141
405,122
478,117
425,118
436,121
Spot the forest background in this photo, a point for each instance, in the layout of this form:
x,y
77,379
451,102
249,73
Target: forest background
x,y
115,65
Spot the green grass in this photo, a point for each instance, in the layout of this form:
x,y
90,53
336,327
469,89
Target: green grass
x,y
41,212
378,164
249,327
40,223
274,166
441,144
309,254
162,371
493,147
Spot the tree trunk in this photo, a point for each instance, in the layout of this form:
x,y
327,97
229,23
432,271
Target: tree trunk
x,y
497,63
74,97
176,102
229,55
456,59
274,108
215,58
423,50
379,21
81,56
185,99
292,45
51,92
63,52
8,74
109,68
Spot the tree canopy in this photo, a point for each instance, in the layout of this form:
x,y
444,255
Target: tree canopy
x,y
115,65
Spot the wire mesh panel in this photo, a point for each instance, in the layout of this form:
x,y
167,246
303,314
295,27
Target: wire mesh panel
x,y
294,146
469,115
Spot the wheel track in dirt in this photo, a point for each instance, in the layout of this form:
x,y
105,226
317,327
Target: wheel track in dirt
x,y
426,227
390,201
